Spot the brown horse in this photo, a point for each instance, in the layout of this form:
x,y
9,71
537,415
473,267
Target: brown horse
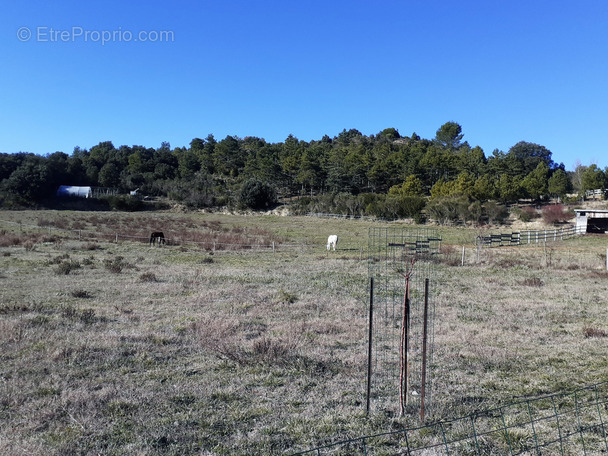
x,y
157,237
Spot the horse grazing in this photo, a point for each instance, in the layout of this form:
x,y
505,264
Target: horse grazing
x,y
157,237
332,241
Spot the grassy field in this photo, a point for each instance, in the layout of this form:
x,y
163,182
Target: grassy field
x,y
121,348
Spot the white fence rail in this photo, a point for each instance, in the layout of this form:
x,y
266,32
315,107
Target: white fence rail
x,y
528,236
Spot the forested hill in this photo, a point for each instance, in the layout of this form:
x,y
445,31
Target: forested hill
x,y
384,174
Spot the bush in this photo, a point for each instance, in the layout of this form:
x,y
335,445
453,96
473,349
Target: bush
x,y
80,293
528,214
65,267
91,246
555,213
589,331
448,209
411,206
116,265
125,203
286,297
148,277
497,213
256,194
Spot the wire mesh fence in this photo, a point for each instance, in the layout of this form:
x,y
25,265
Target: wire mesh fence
x,y
402,265
566,424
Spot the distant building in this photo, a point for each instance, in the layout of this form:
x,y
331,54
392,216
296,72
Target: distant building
x,y
71,190
598,193
591,220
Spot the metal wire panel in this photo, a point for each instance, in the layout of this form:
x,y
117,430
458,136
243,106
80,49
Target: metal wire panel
x,y
393,254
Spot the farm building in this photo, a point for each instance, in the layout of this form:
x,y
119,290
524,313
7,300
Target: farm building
x,y
70,190
591,220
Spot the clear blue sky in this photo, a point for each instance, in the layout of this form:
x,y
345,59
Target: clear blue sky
x,y
506,71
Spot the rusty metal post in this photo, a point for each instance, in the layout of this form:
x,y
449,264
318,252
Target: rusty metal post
x,y
369,348
404,347
424,342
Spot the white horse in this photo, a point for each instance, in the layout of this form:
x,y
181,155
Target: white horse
x,y
332,242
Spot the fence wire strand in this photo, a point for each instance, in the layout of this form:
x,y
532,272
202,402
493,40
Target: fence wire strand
x,y
568,424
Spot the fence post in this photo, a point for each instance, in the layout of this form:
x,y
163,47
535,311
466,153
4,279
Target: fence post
x,y
607,259
369,348
117,238
462,261
425,323
272,246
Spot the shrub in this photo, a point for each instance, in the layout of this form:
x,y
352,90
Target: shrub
x,y
555,213
286,297
148,277
256,194
80,293
59,259
410,206
475,212
594,332
65,267
447,209
533,282
88,261
116,265
29,245
91,246
528,214
272,351
497,213
125,203
7,240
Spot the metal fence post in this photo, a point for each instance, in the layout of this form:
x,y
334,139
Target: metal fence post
x,y
369,348
425,325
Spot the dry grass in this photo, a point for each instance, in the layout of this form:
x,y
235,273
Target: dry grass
x,y
151,351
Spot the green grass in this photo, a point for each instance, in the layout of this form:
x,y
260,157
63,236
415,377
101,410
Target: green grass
x,y
145,350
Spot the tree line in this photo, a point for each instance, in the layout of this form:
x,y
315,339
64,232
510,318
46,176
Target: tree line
x,y
386,174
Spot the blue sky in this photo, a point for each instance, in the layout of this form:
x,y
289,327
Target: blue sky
x,y
529,70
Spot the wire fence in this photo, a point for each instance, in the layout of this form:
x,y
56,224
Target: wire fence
x,y
402,264
211,244
84,235
565,424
